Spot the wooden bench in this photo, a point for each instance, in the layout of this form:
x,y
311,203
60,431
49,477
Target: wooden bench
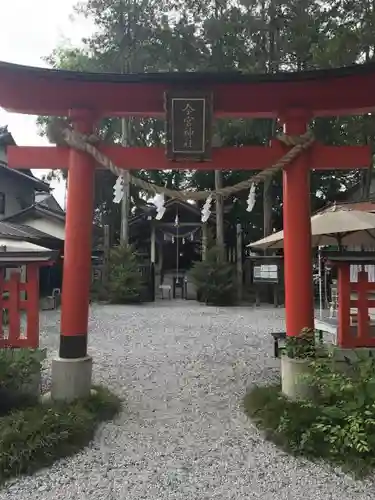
x,y
281,337
51,302
165,288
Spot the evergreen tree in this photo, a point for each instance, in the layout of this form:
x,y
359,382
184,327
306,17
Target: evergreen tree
x,y
258,36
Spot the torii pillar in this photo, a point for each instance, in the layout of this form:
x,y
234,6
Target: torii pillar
x,y
72,370
299,301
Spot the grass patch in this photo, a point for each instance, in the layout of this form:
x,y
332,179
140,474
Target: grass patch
x,y
37,436
267,407
315,430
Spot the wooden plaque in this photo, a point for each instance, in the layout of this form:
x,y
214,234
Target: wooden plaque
x,y
188,125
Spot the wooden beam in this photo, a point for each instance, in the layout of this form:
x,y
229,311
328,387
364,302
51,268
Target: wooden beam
x,y
340,157
331,157
241,158
37,157
330,92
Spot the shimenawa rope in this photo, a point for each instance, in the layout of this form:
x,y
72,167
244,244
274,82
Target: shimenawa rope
x,y
86,143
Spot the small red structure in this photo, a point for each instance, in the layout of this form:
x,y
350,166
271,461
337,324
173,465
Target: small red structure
x,y
354,330
17,297
293,98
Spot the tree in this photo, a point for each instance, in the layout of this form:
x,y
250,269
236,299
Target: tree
x,y
125,283
257,36
214,279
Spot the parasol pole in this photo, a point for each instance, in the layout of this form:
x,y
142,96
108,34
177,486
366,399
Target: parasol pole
x,y
326,299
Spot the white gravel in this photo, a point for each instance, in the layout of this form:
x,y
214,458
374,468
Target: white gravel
x,y
182,370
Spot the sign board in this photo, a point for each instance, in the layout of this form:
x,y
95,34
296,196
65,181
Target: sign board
x,y
188,125
266,273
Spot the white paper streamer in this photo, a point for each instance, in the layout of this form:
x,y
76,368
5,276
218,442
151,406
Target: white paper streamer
x,y
251,198
118,190
158,200
206,210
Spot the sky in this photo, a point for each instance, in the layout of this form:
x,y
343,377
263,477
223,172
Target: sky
x,y
30,30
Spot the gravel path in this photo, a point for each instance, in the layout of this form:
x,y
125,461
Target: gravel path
x,y
182,370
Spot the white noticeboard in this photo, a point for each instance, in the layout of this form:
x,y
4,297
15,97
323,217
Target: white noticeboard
x,y
266,272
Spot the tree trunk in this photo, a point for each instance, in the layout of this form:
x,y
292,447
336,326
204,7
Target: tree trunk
x,y
219,215
125,202
267,207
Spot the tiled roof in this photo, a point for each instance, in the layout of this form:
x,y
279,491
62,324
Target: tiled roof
x,y
39,208
19,231
27,175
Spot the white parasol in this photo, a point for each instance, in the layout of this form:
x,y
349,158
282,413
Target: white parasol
x,y
335,226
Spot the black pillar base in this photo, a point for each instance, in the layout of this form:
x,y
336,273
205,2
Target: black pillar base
x,y
73,346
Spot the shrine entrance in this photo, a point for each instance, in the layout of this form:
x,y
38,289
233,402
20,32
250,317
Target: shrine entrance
x,y
173,244
189,102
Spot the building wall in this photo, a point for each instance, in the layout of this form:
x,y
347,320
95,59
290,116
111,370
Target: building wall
x,y
51,227
19,194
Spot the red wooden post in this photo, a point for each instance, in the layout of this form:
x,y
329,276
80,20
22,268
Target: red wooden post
x,y
77,250
14,309
297,236
32,305
2,304
362,306
343,313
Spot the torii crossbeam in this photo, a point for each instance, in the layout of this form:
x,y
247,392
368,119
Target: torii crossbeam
x,y
293,98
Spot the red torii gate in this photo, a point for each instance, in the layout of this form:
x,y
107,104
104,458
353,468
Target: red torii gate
x,y
293,98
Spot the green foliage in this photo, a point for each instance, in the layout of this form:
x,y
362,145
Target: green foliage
x,y
338,425
17,369
214,279
18,365
261,36
38,436
302,345
125,280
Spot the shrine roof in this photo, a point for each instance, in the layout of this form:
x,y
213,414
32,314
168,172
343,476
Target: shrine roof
x,y
170,206
334,91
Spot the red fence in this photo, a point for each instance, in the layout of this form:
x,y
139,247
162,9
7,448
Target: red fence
x,y
359,333
14,305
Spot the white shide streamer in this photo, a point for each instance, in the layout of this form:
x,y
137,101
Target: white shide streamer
x,y
355,268
118,190
206,210
251,198
158,200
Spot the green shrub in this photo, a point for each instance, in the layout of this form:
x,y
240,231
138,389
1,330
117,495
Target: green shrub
x,y
302,346
339,425
17,368
125,284
214,279
37,436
